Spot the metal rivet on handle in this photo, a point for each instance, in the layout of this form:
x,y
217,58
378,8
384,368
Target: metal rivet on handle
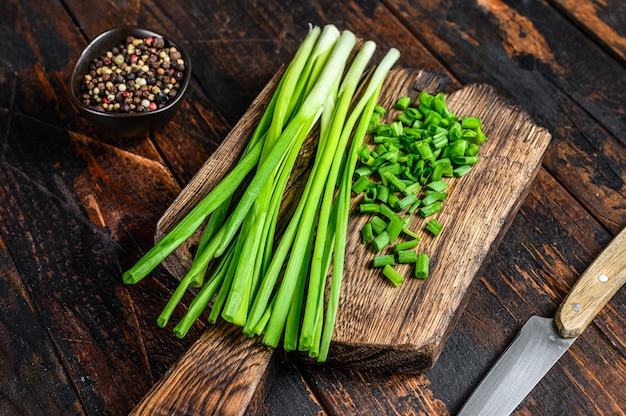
x,y
576,307
603,278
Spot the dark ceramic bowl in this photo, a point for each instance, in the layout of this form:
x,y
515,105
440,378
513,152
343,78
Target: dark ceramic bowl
x,y
134,124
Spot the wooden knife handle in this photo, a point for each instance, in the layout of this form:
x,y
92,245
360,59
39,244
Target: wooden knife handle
x,y
595,287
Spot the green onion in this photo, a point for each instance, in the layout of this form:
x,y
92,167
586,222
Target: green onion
x,y
381,241
428,210
382,193
362,184
395,227
380,261
406,202
275,326
410,233
406,245
437,185
393,276
462,170
403,103
370,98
378,225
421,266
264,290
407,256
414,188
367,234
434,227
471,123
465,160
369,208
371,194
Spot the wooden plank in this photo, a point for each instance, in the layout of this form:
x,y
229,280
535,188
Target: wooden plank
x,y
51,191
603,21
547,71
290,394
351,392
30,368
224,372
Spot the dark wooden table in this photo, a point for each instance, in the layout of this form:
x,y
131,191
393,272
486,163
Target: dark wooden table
x,y
77,207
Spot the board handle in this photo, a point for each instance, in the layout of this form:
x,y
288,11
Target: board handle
x,y
223,372
595,287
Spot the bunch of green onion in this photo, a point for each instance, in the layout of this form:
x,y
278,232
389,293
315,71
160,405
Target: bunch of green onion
x,y
273,284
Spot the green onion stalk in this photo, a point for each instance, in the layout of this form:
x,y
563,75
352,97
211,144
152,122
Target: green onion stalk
x,y
343,200
275,285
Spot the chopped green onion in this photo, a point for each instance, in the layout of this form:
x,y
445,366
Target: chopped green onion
x,y
369,208
472,149
424,150
410,233
362,184
386,211
431,197
380,261
437,185
434,227
403,103
414,188
457,148
382,193
397,129
465,160
392,200
462,170
367,234
378,225
421,266
371,194
395,181
407,256
364,170
471,123
405,118
381,241
425,98
393,276
395,227
428,210
406,202
406,245
411,156
379,109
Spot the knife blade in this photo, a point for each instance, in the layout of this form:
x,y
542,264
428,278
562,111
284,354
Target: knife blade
x,y
542,341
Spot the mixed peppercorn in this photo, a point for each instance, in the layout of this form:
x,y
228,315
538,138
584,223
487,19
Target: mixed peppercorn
x,y
139,75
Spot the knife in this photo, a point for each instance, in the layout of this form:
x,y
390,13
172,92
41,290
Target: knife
x,y
542,341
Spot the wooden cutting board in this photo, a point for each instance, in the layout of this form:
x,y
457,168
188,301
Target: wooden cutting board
x,y
379,326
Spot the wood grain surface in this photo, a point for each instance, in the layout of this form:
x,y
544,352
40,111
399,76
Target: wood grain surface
x,y
78,206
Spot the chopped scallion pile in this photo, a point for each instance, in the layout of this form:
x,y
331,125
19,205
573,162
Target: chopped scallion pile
x,y
405,170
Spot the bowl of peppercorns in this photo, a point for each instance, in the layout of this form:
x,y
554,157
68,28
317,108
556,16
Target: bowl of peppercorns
x,y
130,81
